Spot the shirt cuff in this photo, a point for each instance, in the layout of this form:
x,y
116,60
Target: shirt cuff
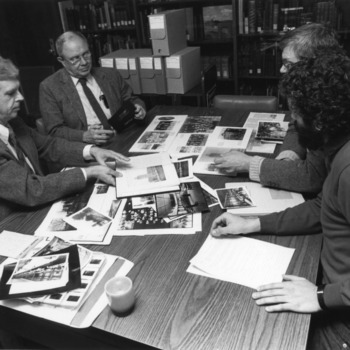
x,y
254,168
86,152
84,173
288,155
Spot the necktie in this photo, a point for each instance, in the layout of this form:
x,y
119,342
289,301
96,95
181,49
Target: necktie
x,y
94,104
19,152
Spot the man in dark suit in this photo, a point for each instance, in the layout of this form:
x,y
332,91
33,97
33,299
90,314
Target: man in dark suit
x,y
23,183
67,111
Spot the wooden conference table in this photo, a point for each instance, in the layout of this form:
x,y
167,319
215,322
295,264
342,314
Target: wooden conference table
x,y
175,309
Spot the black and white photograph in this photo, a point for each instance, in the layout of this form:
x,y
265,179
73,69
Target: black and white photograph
x,y
231,198
88,218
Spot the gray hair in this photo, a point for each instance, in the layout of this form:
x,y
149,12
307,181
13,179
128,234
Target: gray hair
x,y
308,38
8,71
67,36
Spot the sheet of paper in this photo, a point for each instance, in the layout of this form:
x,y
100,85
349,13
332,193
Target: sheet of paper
x,y
254,118
102,199
159,134
12,244
266,200
137,216
246,261
152,173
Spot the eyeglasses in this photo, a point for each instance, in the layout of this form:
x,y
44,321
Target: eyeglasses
x,y
288,65
77,59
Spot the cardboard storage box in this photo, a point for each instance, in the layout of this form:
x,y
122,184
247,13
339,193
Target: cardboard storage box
x,y
183,70
152,72
128,65
168,32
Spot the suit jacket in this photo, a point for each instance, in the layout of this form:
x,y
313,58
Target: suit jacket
x,y
19,188
61,108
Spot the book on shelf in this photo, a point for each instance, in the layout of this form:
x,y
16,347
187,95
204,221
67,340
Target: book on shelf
x,y
63,6
265,200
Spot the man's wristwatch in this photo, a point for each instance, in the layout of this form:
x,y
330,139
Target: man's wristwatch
x,y
320,296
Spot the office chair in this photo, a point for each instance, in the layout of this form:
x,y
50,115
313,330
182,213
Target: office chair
x,y
30,78
245,103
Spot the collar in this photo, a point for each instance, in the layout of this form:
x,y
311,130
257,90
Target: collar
x,y
89,79
4,134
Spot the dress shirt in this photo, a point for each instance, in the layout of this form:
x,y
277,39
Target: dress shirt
x,y
4,137
91,117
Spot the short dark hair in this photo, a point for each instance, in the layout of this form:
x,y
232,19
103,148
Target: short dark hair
x,y
66,36
8,71
318,90
308,38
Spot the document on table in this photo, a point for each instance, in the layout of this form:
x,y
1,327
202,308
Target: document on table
x,y
246,261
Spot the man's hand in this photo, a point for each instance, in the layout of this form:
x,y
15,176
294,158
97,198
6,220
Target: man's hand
x,y
103,173
140,112
229,224
97,136
293,294
233,162
103,155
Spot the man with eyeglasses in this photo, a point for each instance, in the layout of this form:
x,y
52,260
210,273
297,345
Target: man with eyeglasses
x,y
77,101
296,168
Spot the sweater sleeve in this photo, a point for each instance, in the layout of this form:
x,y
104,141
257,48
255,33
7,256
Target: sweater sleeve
x,y
299,176
301,219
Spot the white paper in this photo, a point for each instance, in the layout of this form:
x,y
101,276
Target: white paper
x,y
254,118
121,63
188,144
107,62
12,244
267,200
246,261
102,199
230,137
257,146
132,63
159,134
156,22
146,62
173,62
152,173
157,63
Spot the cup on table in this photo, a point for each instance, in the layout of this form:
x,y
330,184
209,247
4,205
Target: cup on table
x,y
120,294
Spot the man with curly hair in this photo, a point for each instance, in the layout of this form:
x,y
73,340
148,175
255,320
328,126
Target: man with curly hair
x,y
318,91
295,168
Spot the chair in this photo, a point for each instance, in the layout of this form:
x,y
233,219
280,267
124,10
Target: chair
x,y
245,103
30,78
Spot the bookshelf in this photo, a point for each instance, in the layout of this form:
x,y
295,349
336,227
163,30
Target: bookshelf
x,y
209,26
260,24
109,25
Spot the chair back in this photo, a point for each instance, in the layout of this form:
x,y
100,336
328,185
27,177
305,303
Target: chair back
x,y
245,103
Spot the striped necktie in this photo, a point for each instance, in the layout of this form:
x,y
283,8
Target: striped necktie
x,y
95,104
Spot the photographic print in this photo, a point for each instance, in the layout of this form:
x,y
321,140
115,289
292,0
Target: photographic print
x,y
233,137
88,218
237,197
190,199
202,124
147,219
272,131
